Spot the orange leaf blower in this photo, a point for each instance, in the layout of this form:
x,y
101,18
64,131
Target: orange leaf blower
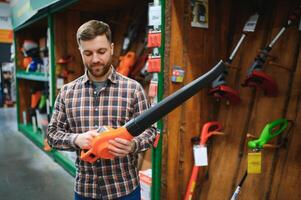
x,y
137,125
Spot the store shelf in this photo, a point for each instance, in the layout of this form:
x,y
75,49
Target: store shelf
x,y
37,139
35,76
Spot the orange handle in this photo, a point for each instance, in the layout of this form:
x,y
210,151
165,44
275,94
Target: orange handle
x,y
208,130
100,143
192,183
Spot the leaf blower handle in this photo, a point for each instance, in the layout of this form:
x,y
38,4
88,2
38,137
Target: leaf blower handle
x,y
100,143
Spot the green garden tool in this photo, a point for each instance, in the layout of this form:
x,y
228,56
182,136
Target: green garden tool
x,y
270,131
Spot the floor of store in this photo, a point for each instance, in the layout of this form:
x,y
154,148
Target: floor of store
x,y
25,171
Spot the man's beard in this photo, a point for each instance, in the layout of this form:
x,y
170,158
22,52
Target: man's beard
x,y
98,70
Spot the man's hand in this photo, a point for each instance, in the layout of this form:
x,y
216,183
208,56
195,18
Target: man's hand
x,y
84,140
121,147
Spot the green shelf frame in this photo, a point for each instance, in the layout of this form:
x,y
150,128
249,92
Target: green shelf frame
x,y
38,140
35,76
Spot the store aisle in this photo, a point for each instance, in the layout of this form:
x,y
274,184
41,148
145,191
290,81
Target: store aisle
x,y
26,173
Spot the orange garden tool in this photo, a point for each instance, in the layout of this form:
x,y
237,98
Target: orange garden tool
x,y
62,67
35,98
270,131
137,125
209,129
126,63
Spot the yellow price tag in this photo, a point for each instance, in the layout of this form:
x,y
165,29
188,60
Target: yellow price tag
x,y
254,163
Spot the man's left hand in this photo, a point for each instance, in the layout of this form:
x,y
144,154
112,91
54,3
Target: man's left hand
x,y
121,147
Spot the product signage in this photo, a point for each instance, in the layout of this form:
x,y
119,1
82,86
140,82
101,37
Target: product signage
x,y
6,33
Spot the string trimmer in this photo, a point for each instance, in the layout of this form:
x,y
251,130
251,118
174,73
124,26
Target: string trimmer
x,y
220,89
256,77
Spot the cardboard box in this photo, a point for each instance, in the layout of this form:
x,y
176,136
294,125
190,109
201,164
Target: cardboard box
x,y
145,184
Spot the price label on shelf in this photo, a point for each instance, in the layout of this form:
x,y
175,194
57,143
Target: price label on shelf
x,y
59,83
154,64
154,16
154,39
153,88
254,163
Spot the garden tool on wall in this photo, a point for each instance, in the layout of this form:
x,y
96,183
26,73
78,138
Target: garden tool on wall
x,y
209,129
34,103
62,69
128,56
130,35
270,131
256,77
32,58
126,63
220,89
137,125
141,59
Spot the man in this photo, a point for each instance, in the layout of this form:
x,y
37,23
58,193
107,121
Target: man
x,y
101,97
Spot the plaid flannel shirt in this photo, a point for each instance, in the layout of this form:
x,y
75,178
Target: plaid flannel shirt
x,y
78,108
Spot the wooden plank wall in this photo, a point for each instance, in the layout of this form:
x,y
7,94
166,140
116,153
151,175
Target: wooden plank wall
x,y
196,50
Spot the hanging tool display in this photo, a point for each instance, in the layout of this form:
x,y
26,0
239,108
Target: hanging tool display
x,y
256,77
62,68
137,125
220,89
31,52
128,56
132,32
209,129
141,59
270,131
126,63
34,103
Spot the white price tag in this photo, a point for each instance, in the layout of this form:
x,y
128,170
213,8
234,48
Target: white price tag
x,y
200,155
24,118
59,83
34,124
154,16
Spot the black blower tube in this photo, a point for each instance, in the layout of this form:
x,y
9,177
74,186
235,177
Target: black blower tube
x,y
137,125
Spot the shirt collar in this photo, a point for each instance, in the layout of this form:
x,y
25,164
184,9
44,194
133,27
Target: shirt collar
x,y
112,76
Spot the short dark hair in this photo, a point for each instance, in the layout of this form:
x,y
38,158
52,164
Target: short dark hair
x,y
92,29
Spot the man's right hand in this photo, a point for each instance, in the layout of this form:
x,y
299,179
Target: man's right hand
x,y
84,140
